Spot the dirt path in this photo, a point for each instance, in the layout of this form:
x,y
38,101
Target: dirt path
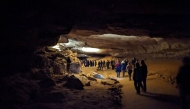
x,y
160,94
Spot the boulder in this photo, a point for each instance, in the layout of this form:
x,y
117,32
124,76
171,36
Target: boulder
x,y
73,83
45,83
40,74
75,68
108,82
63,39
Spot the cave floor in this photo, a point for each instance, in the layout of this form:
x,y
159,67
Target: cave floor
x,y
160,94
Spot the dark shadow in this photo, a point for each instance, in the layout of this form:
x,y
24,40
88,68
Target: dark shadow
x,y
151,78
162,97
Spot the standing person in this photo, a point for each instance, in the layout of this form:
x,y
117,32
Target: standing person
x,y
104,64
118,68
129,69
95,63
123,67
68,64
134,61
183,81
144,74
137,77
126,62
88,63
108,64
113,64
99,65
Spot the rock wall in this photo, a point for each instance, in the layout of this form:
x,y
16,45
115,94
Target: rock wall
x,y
75,65
49,61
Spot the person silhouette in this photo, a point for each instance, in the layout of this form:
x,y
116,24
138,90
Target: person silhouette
x,y
183,81
144,74
137,77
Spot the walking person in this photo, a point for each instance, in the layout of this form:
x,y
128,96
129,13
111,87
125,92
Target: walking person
x,y
113,64
123,67
137,77
183,81
144,74
129,70
118,68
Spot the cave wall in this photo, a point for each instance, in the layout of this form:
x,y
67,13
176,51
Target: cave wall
x,y
27,26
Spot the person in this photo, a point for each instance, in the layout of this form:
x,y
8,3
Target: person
x,y
137,77
129,70
126,62
108,64
123,67
103,64
95,63
113,64
183,81
144,74
68,64
118,68
99,65
133,61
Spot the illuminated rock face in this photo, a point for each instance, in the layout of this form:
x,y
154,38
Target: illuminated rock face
x,y
122,45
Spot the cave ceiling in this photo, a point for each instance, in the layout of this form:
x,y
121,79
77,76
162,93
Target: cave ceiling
x,y
117,28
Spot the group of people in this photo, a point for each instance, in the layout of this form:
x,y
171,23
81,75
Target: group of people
x,y
89,63
139,72
100,64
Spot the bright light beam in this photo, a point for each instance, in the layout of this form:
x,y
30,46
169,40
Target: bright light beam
x,y
88,49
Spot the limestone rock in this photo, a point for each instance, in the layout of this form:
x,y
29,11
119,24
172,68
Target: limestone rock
x,y
75,68
40,74
74,83
63,39
48,82
58,70
50,49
